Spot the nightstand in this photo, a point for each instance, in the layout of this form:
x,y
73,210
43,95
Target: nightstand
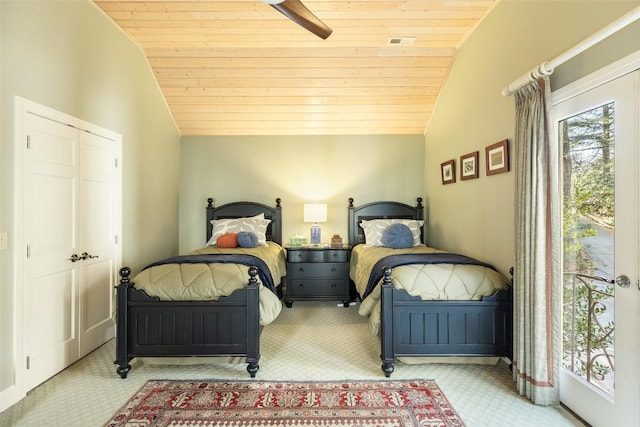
x,y
317,273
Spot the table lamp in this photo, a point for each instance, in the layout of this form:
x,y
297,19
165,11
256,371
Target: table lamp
x,y
315,213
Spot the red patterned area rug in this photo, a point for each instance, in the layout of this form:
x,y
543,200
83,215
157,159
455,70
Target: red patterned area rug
x,y
275,404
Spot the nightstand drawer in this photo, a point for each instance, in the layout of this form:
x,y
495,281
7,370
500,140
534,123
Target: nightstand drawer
x,y
318,271
328,255
318,288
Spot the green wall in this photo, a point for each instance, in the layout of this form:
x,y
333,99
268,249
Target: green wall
x,y
475,217
68,56
298,169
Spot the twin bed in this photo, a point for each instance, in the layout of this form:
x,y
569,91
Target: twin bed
x,y
420,301
423,302
212,302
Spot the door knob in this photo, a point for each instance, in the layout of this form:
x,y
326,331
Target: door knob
x,y
87,256
75,258
623,281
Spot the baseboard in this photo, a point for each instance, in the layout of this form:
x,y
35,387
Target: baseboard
x,y
9,397
566,408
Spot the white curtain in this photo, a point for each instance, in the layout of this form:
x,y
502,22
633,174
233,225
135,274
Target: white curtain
x,y
537,281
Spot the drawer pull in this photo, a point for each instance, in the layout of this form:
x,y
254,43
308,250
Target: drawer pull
x,y
333,269
301,270
301,285
333,286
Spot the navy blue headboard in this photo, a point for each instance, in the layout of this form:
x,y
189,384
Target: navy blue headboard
x,y
381,210
247,209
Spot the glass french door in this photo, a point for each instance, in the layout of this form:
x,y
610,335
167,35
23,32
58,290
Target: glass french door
x,y
598,135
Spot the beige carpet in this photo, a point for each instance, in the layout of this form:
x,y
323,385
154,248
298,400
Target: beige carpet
x,y
310,341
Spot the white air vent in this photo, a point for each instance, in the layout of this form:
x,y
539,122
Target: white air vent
x,y
401,40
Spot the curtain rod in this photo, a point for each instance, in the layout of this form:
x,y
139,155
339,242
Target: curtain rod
x,y
546,68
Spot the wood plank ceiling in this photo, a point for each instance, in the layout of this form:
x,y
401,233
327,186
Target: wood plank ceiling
x,y
239,67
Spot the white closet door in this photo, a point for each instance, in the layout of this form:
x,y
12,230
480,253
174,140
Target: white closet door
x,y
97,240
50,232
70,220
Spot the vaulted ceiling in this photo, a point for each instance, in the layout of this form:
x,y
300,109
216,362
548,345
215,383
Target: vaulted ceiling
x,y
239,67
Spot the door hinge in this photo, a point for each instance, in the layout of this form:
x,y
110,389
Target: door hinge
x,y
116,239
28,251
116,161
28,362
28,142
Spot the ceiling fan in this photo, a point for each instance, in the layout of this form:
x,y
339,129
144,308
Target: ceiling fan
x,y
298,13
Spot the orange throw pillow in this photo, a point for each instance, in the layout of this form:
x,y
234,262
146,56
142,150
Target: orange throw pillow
x,y
227,240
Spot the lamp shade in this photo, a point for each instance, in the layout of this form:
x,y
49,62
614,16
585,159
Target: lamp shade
x,y
315,212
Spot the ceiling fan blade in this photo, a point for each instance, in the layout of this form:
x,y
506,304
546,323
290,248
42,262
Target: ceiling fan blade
x,y
298,13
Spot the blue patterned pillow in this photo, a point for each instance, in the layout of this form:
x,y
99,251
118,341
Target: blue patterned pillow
x,y
395,236
247,239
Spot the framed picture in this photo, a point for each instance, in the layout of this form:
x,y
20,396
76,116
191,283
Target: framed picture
x,y
448,172
469,166
497,157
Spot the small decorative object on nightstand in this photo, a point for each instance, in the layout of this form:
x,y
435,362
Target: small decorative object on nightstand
x,y
336,241
297,241
317,273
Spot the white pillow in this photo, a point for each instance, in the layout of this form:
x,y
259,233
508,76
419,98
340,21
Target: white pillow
x,y
374,228
257,225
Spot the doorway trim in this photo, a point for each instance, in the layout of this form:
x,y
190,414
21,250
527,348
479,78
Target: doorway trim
x,y
604,75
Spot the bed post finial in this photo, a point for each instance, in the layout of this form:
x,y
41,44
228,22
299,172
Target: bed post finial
x,y
124,276
419,200
278,200
386,275
253,272
350,202
209,202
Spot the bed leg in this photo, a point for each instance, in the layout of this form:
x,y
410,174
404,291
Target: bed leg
x,y
123,370
252,368
387,368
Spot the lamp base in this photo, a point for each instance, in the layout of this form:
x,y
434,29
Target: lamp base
x,y
315,234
